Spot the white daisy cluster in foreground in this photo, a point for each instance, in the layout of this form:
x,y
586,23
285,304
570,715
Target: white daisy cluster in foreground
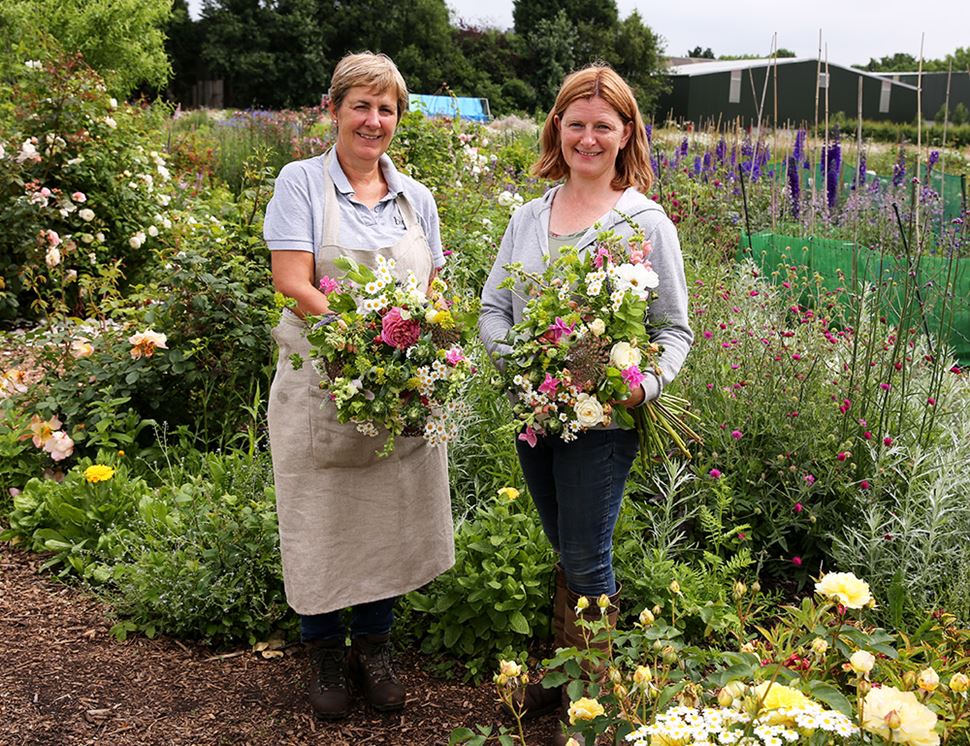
x,y
712,726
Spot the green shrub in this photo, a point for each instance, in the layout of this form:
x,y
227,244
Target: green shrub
x,y
497,596
206,563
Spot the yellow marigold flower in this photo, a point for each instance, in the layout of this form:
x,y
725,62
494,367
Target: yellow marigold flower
x,y
778,696
928,680
509,493
845,588
98,473
584,708
917,723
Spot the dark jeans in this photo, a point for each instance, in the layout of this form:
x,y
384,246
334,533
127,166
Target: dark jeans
x,y
577,488
373,618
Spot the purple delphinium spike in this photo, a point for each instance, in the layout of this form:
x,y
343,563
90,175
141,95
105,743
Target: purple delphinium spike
x,y
721,150
931,161
707,161
899,169
798,152
649,130
794,187
684,146
834,166
697,165
862,168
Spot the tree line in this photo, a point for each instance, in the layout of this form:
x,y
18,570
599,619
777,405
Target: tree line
x,y
280,54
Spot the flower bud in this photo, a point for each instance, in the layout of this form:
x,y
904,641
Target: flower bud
x,y
615,676
725,698
603,602
674,586
620,691
819,646
928,680
739,590
657,609
510,669
893,721
863,687
959,683
909,680
862,662
642,676
670,656
657,646
581,605
756,587
748,647
646,618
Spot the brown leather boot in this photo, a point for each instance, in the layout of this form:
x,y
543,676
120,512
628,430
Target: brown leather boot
x,y
327,679
373,673
574,636
535,700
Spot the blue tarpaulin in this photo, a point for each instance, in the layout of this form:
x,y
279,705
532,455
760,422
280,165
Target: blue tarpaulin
x,y
475,109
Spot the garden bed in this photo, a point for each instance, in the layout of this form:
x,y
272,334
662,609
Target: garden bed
x,y
67,681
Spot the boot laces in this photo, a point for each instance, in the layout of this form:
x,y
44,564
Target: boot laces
x,y
377,661
330,666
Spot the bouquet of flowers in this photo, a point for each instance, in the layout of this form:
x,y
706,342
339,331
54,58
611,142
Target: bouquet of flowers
x,y
582,345
390,354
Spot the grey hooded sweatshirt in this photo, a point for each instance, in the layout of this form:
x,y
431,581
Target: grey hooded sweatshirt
x,y
526,241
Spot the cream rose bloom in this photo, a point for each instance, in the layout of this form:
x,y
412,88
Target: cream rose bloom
x,y
845,588
862,661
917,723
584,708
928,680
623,355
589,411
597,327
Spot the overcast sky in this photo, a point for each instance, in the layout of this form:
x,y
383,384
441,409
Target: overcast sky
x,y
853,30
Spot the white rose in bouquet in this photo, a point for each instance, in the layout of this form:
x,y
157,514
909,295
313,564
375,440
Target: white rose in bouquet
x,y
589,411
623,355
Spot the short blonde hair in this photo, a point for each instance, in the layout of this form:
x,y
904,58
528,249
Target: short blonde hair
x,y
633,160
376,71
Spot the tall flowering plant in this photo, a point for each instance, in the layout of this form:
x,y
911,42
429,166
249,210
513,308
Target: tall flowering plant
x,y
583,345
390,353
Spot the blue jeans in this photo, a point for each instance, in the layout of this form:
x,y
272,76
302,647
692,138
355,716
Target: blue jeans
x,y
577,488
373,618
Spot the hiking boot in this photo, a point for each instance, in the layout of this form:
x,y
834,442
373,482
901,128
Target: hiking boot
x,y
327,679
373,674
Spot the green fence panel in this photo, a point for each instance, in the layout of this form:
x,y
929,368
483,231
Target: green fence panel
x,y
831,259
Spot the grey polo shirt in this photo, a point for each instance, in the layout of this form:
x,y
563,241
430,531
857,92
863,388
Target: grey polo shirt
x,y
294,216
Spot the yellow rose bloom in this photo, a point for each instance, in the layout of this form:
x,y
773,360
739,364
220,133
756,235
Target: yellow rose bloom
x,y
584,708
917,723
928,680
845,588
509,493
778,696
98,473
862,662
959,683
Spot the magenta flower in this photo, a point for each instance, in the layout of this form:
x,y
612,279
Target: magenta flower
x,y
796,356
737,434
864,484
867,435
796,561
529,436
931,401
602,254
809,479
715,473
887,441
842,455
885,386
632,376
549,386
708,335
454,356
328,285
559,329
798,508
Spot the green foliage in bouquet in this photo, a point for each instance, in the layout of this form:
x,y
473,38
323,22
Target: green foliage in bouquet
x,y
496,597
391,355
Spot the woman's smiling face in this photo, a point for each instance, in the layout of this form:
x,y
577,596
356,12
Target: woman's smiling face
x,y
592,135
366,120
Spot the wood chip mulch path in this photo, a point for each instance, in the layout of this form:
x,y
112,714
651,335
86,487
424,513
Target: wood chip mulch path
x,y
64,681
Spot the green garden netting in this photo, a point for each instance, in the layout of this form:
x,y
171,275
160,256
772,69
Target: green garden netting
x,y
831,259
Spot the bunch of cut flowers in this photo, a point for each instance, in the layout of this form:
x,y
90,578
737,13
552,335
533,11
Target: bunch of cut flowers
x,y
583,345
391,353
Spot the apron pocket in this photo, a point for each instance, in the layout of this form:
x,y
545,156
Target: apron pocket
x,y
334,444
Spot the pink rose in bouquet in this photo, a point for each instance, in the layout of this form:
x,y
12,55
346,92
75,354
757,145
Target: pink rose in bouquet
x,y
398,331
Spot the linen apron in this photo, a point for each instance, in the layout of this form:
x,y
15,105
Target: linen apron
x,y
353,527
